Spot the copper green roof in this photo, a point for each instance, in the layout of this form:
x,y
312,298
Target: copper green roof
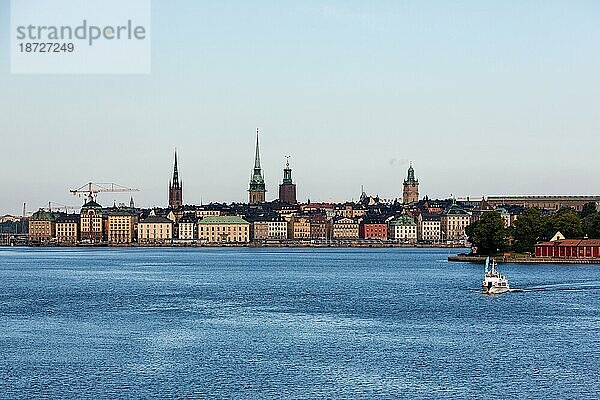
x,y
223,219
42,215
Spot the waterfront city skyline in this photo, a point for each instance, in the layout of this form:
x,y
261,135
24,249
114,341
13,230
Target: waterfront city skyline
x,y
351,92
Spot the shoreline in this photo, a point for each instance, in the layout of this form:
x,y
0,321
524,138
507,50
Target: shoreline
x,y
523,260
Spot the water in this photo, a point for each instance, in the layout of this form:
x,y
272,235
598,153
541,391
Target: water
x,y
298,324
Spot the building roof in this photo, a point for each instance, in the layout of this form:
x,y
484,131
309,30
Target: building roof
x,y
188,219
91,204
43,215
223,219
68,218
403,220
155,219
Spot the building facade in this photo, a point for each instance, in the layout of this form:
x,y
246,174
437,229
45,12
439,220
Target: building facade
x,y
404,229
155,230
67,229
454,221
320,227
346,228
121,227
186,228
374,230
429,228
91,223
42,226
546,202
569,248
224,229
299,228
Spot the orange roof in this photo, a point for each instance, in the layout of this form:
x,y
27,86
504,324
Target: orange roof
x,y
590,242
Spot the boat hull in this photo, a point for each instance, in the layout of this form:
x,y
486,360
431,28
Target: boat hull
x,y
495,290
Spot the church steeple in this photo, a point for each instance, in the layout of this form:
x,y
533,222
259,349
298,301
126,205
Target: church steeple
x,y
410,193
175,183
257,182
175,187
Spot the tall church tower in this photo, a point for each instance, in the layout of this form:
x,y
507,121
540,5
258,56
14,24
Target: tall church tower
x,y
410,194
175,188
287,189
256,192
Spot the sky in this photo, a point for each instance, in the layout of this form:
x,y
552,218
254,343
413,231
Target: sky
x,y
484,97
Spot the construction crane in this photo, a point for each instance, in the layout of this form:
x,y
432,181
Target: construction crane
x,y
91,190
53,205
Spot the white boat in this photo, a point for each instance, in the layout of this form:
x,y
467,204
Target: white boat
x,y
494,282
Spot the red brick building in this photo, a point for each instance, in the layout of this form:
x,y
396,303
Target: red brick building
x,y
374,230
569,248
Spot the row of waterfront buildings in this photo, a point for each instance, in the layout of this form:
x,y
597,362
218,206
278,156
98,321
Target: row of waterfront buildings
x,y
370,220
407,220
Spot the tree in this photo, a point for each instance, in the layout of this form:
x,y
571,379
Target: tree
x,y
588,209
591,225
488,234
568,223
528,227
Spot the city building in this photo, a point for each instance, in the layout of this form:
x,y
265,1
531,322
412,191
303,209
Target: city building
x,y
410,193
224,229
121,227
345,228
259,229
256,192
429,228
554,203
403,229
349,210
155,230
270,228
454,221
187,227
42,226
320,227
299,228
287,189
67,229
373,229
569,248
175,188
91,222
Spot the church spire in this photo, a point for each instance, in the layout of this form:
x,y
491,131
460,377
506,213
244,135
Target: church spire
x,y
175,187
257,182
257,154
175,172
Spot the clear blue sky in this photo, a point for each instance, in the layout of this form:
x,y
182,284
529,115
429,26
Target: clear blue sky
x,y
486,98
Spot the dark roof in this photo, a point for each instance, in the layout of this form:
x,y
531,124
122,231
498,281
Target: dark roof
x,y
155,219
91,204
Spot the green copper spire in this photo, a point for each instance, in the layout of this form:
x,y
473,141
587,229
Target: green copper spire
x,y
257,155
410,179
257,182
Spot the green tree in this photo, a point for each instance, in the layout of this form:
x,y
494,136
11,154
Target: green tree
x,y
568,223
588,209
591,225
488,234
528,227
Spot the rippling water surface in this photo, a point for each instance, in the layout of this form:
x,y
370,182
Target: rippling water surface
x,y
298,324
